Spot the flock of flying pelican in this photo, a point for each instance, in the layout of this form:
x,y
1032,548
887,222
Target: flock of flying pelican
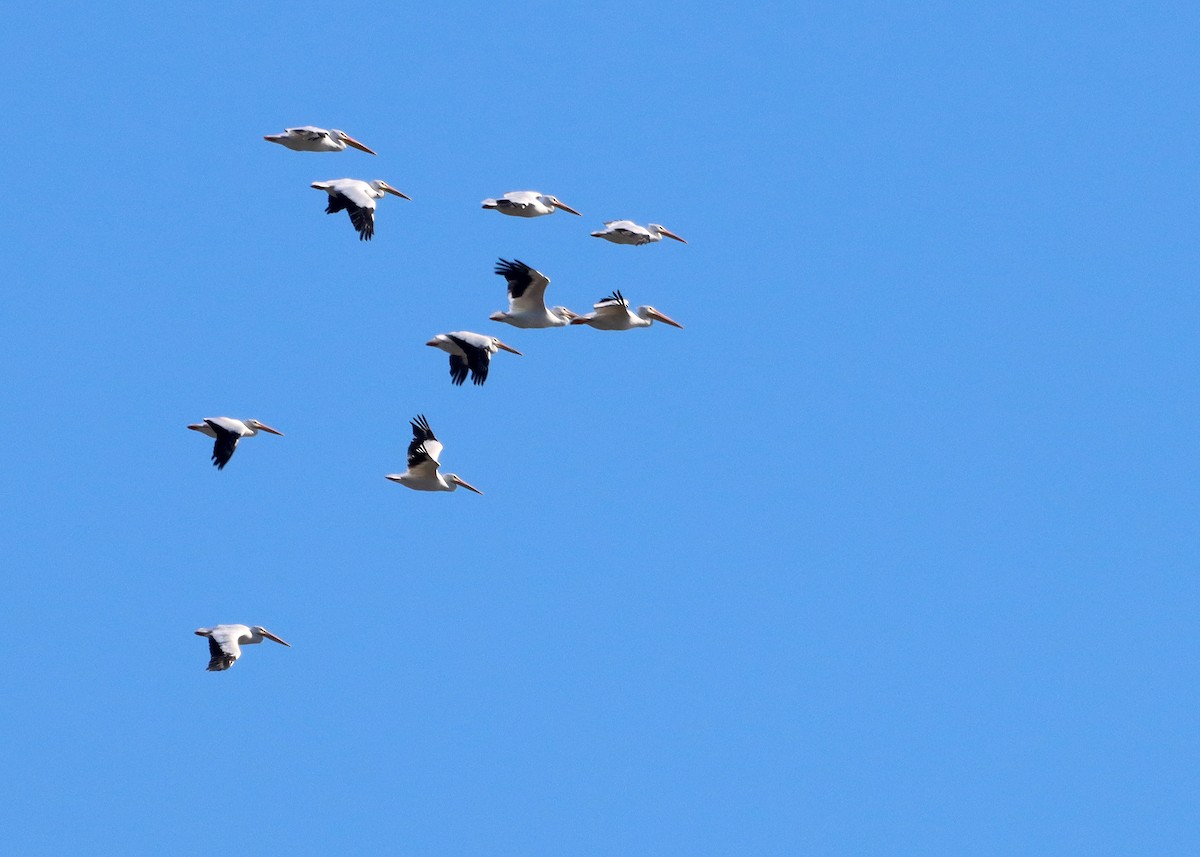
x,y
470,353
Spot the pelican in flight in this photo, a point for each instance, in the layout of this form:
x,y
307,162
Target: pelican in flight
x,y
613,313
527,298
225,642
228,432
310,139
628,232
471,351
527,203
422,473
357,198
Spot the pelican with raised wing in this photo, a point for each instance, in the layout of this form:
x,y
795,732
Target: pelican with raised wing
x,y
228,432
225,642
613,313
527,203
527,298
357,199
308,138
423,454
469,351
628,232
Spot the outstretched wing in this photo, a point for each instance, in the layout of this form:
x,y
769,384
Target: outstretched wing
x,y
424,450
526,286
226,444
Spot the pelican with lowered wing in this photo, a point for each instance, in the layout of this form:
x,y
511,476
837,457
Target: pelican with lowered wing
x,y
357,199
227,431
225,642
469,352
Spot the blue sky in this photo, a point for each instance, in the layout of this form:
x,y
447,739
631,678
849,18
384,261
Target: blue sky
x,y
891,550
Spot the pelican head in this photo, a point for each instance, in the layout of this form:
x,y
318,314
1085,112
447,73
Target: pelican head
x,y
380,184
651,313
563,314
343,137
554,202
455,480
662,230
263,632
256,426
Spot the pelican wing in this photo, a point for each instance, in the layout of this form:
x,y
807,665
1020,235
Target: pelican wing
x,y
458,370
308,133
356,192
637,236
476,357
526,286
223,649
612,306
351,196
629,229
226,444
424,450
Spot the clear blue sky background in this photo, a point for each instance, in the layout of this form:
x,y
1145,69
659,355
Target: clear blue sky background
x,y
892,551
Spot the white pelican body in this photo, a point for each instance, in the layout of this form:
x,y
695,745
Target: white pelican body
x,y
423,454
527,203
628,232
225,642
311,139
228,432
357,198
527,298
469,351
613,313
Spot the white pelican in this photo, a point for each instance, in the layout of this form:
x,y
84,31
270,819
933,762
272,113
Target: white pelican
x,y
225,642
527,203
628,232
527,298
469,351
422,473
613,313
357,198
310,139
228,432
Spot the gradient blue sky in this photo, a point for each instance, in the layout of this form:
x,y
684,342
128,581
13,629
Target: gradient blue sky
x,y
892,551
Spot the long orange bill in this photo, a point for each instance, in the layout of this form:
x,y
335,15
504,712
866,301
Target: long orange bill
x,y
508,348
271,636
670,234
350,141
269,429
664,319
566,207
396,192
467,485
